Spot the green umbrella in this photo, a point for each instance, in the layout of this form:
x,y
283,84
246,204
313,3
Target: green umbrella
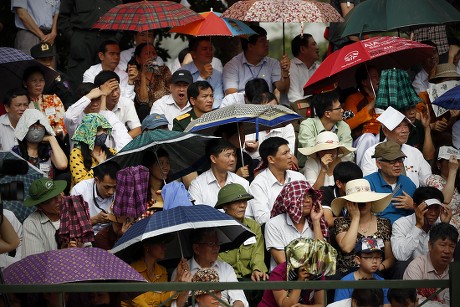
x,y
386,15
396,90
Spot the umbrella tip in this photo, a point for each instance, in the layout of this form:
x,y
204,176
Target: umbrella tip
x,y
212,9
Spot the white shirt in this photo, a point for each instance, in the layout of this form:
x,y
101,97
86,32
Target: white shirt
x,y
7,138
226,274
75,113
417,169
408,241
216,64
126,89
299,75
312,170
265,189
5,259
280,230
204,188
169,108
287,132
421,82
235,98
126,113
342,303
87,189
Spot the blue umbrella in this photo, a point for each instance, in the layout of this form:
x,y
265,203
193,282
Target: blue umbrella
x,y
180,221
450,99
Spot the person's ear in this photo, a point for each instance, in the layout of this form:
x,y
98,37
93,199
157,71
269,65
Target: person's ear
x,y
195,249
213,158
271,159
357,260
339,184
101,56
192,100
379,165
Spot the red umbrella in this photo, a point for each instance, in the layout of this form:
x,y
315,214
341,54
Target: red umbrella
x,y
381,51
146,15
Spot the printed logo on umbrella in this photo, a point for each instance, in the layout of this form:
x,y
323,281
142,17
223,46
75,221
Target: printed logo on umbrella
x,y
351,56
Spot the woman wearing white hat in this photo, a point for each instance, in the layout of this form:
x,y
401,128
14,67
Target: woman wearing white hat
x,y
361,203
323,157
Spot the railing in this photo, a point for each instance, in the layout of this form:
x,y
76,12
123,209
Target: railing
x,y
453,284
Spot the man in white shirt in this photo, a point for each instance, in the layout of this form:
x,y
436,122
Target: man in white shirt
x,y
109,55
93,101
396,127
275,153
176,103
205,188
122,107
206,246
99,193
15,102
303,65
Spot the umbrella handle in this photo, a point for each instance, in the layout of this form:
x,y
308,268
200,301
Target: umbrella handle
x,y
180,245
241,145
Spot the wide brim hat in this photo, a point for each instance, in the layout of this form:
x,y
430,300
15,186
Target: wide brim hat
x,y
230,193
44,189
359,191
325,141
445,70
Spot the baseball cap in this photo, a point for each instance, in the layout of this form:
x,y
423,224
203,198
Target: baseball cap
x,y
153,121
388,150
182,75
42,50
366,246
230,193
432,201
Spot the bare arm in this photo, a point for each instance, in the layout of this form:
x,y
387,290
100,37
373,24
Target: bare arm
x,y
9,239
278,255
449,188
389,257
230,91
29,23
58,156
347,239
50,37
135,132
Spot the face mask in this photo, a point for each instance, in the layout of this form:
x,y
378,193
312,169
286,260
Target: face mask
x,y
35,135
100,139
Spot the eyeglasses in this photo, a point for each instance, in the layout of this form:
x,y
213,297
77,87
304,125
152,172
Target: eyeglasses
x,y
335,109
210,244
393,162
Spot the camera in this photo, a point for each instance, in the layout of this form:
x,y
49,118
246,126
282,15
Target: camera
x,y
13,190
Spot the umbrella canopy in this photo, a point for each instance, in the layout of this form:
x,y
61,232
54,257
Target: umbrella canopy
x,y
180,221
259,117
18,208
380,51
75,220
186,151
396,90
449,100
69,265
213,25
385,15
146,15
13,62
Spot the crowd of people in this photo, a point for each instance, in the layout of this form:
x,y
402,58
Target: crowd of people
x,y
380,185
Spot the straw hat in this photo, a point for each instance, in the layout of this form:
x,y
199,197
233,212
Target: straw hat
x,y
359,191
326,140
445,70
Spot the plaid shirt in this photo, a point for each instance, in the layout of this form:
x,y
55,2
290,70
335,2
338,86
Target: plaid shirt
x,y
437,34
75,220
290,201
131,196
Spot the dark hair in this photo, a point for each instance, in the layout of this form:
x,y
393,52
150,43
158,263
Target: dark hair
x,y
30,71
401,296
105,76
368,297
323,102
430,43
87,154
270,146
423,193
264,98
228,130
13,93
43,150
194,89
299,41
109,168
195,41
149,157
362,74
104,44
216,146
346,171
182,54
138,50
253,38
85,88
254,87
443,231
199,233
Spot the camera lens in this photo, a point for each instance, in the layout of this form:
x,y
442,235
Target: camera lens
x,y
12,191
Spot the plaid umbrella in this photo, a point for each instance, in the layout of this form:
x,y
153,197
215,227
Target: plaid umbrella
x,y
396,90
290,201
13,62
75,221
213,25
180,221
21,211
146,15
131,196
69,265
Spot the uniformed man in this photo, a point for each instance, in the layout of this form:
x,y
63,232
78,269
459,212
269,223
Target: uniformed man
x,y
201,97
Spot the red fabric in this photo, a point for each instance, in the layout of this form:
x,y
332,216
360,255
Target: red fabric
x,y
75,220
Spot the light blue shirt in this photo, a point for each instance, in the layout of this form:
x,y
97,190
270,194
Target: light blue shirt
x,y
41,11
238,71
215,80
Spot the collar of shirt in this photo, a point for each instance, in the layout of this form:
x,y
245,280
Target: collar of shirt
x,y
429,268
194,266
320,127
43,218
273,181
383,183
97,197
5,120
291,223
245,61
210,178
298,61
